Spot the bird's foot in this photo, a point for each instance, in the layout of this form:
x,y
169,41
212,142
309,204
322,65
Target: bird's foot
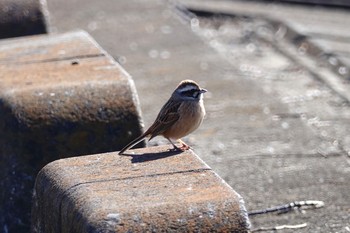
x,y
182,148
175,149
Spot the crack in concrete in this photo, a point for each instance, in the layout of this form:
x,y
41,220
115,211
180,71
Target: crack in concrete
x,y
7,62
141,176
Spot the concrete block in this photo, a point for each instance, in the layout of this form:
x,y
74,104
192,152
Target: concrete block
x,y
61,95
151,190
23,17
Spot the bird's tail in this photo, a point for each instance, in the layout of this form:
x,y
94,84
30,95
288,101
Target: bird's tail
x,y
133,143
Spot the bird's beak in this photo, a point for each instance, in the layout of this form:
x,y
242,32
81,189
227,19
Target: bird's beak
x,y
203,90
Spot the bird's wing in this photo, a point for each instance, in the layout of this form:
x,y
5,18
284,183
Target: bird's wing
x,y
167,116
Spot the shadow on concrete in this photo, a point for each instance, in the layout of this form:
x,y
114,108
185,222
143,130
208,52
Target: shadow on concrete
x,y
145,157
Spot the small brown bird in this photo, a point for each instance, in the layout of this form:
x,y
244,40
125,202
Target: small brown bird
x,y
180,116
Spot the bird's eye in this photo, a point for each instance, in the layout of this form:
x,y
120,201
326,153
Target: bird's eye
x,y
191,93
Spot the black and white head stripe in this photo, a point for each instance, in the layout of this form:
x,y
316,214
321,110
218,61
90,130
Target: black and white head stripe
x,y
189,88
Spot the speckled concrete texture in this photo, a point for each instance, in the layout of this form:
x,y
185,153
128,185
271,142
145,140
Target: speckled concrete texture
x,y
61,95
148,190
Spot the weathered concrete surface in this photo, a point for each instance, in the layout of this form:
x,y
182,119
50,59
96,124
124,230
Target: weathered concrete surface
x,y
23,18
275,130
150,190
61,95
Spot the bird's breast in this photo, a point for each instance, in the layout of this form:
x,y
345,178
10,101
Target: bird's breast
x,y
191,116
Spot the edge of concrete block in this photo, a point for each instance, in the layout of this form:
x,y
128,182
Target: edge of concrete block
x,y
111,193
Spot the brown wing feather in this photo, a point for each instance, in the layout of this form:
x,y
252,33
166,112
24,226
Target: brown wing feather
x,y
167,116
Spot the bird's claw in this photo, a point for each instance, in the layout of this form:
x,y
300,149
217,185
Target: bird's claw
x,y
183,147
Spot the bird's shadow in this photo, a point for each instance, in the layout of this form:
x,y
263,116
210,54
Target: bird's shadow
x,y
144,157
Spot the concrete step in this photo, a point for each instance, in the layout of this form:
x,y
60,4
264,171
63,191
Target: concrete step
x,y
148,190
61,95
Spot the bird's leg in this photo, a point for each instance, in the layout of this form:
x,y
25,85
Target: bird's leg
x,y
184,146
175,147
